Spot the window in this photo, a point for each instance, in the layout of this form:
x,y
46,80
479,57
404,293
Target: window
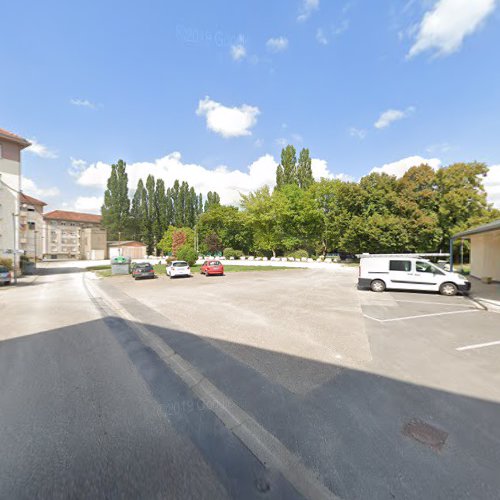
x,y
400,265
31,225
427,267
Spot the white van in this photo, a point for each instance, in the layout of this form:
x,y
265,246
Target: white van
x,y
408,273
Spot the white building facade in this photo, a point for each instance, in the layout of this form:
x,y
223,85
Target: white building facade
x,y
11,146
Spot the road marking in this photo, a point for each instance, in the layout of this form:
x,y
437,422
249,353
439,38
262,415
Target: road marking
x,y
264,445
381,301
478,346
419,316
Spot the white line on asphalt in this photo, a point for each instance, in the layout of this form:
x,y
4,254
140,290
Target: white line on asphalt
x,y
380,301
264,445
420,316
374,319
477,346
437,303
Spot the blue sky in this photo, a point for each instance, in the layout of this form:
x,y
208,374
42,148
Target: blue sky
x,y
209,91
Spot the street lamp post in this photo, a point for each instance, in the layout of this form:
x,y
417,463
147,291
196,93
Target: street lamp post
x,y
14,257
36,237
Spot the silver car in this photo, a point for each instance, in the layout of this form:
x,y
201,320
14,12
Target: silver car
x,y
5,275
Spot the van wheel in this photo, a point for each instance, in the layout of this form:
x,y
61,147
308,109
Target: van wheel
x,y
377,286
448,289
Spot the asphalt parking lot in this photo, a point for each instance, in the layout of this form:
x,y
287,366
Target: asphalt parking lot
x,y
392,395
321,315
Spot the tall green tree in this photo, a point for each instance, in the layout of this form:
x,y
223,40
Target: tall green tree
x,y
149,212
160,222
288,166
305,177
213,200
136,212
116,208
461,198
229,224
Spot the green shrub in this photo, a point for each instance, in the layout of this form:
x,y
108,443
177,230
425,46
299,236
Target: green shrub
x,y
6,263
298,254
188,254
230,252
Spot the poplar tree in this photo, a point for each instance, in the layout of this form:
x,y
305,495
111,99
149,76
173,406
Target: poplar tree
x,y
136,215
213,200
289,165
304,170
116,208
149,236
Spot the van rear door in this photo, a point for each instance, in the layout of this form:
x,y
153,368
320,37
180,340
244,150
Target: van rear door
x,y
401,274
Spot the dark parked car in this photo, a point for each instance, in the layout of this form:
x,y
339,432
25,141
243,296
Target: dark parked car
x,y
143,271
5,275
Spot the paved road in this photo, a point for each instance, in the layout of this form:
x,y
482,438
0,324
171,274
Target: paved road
x,y
79,418
372,405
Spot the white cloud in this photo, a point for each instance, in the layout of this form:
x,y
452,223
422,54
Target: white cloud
x,y
85,103
88,204
40,150
320,171
29,187
238,50
392,115
321,37
444,28
492,185
306,9
442,147
228,183
359,133
228,122
282,142
398,168
278,44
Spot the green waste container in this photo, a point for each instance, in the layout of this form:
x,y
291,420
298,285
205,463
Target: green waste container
x,y
120,265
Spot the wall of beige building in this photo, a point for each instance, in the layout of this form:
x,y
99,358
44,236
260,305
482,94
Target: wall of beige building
x,y
485,255
10,185
74,240
94,241
31,226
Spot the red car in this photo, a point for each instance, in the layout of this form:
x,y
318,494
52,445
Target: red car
x,y
211,267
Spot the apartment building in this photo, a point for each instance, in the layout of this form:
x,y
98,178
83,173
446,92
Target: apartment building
x,y
73,235
11,146
31,226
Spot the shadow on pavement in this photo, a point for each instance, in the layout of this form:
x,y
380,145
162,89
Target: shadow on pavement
x,y
365,435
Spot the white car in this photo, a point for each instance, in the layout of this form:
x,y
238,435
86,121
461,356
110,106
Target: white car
x,y
178,268
408,273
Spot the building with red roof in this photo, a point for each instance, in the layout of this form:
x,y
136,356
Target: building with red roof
x,y
74,235
11,146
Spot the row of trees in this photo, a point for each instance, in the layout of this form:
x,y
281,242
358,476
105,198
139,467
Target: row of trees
x,y
153,208
380,213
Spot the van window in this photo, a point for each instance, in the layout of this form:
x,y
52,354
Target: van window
x,y
426,267
400,265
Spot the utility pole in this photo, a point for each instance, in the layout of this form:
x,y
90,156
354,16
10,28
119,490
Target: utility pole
x,y
36,233
14,257
119,242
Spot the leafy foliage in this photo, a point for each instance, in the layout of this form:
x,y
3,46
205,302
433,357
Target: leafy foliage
x,y
188,254
115,210
6,262
230,252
